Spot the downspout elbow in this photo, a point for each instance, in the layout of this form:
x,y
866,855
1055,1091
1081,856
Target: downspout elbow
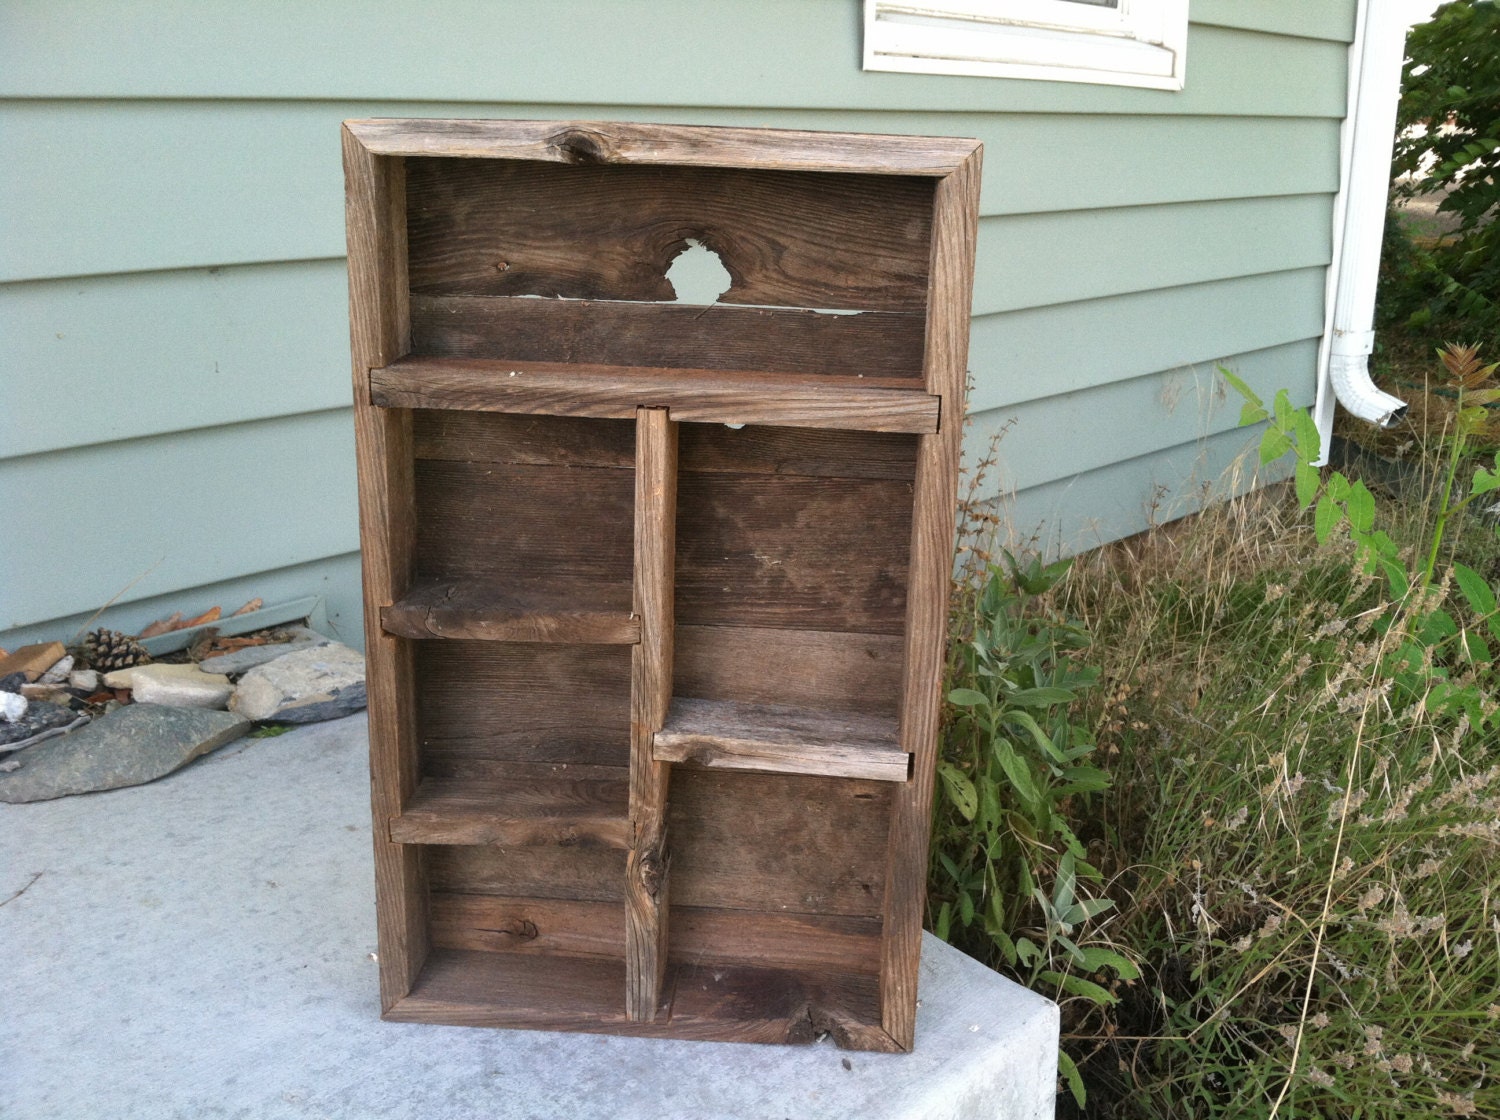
x,y
1349,374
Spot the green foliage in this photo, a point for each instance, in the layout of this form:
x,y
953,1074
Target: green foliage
x,y
1010,880
1448,139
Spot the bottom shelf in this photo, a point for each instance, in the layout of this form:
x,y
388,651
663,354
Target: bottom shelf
x,y
703,1002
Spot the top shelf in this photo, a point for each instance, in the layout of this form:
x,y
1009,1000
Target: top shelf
x,y
871,404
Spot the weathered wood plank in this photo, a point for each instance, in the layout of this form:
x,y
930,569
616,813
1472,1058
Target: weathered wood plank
x,y
616,142
709,1002
566,812
582,874
510,227
523,524
781,739
927,597
722,336
815,668
534,926
789,552
647,866
491,612
379,331
614,392
502,702
500,437
828,854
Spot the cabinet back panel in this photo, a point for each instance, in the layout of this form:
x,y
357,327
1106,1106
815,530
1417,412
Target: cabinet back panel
x,y
787,238
520,702
874,343
587,874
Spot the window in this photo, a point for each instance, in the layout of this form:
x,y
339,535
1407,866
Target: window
x,y
1112,42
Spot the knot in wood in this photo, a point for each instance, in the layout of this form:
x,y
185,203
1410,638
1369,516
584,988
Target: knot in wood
x,y
653,869
578,145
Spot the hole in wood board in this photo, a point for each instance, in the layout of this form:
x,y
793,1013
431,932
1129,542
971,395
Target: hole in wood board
x,y
698,276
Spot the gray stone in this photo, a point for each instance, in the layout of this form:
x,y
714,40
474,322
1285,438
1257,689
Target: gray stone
x,y
180,686
127,747
12,706
12,682
41,721
59,671
312,684
85,680
243,660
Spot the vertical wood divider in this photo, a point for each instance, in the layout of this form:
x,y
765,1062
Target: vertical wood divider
x,y
646,867
379,333
945,362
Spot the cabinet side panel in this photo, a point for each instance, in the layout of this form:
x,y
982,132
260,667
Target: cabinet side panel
x,y
379,332
787,238
955,221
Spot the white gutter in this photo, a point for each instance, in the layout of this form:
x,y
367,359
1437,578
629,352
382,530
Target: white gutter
x,y
1367,139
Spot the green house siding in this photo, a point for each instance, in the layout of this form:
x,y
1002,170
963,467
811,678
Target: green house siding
x,y
172,294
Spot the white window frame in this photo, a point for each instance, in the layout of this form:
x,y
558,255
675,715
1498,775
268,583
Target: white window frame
x,y
1139,43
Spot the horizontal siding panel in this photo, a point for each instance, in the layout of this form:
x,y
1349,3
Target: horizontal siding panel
x,y
119,357
336,578
1311,19
1032,260
771,53
1055,437
1045,351
256,182
1081,512
186,510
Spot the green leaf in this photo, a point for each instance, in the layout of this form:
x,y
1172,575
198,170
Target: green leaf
x,y
1017,771
1069,1071
1361,508
968,698
1094,906
1476,589
1078,986
1307,483
1239,386
1043,697
1094,959
1273,445
965,909
941,927
1027,723
1326,518
960,790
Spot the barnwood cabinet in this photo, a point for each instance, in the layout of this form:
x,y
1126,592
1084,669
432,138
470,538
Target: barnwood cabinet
x,y
655,594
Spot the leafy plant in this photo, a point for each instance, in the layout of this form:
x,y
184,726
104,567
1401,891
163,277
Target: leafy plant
x,y
1448,141
1011,882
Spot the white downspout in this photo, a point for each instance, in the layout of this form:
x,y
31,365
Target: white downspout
x,y
1367,138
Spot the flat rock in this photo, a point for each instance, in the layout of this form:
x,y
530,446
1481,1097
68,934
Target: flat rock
x,y
41,721
325,682
12,682
243,660
59,671
33,660
126,747
180,686
85,680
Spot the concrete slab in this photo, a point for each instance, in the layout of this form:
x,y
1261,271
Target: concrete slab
x,y
202,947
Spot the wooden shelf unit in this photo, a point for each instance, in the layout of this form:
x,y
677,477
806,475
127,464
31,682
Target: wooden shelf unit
x,y
655,594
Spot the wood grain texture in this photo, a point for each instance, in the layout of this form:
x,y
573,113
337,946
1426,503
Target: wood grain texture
x,y
647,867
708,1002
821,669
491,612
720,336
499,437
595,142
563,811
787,238
534,926
955,219
581,874
614,392
379,331
499,702
795,553
781,739
828,850
522,524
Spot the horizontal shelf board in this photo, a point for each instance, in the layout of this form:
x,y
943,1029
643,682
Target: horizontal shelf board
x,y
709,1002
566,811
490,612
779,739
615,392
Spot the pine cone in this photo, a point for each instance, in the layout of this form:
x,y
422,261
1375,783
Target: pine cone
x,y
108,650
